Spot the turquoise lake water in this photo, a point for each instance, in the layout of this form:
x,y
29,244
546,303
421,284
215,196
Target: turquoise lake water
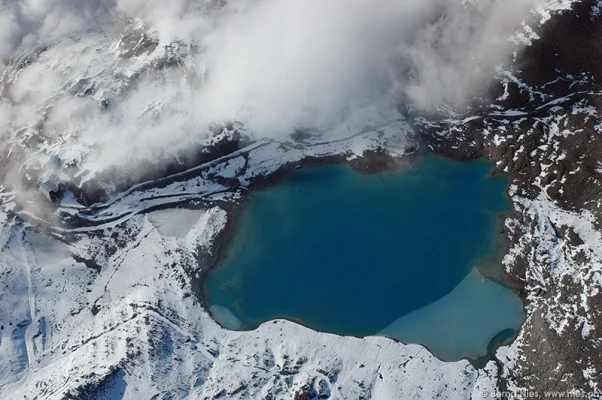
x,y
387,254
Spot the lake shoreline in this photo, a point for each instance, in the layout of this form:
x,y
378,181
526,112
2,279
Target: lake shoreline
x,y
372,162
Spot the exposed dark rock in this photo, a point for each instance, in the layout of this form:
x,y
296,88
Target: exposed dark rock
x,y
551,149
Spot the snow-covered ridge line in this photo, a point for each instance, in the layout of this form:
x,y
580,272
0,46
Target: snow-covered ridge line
x,y
205,182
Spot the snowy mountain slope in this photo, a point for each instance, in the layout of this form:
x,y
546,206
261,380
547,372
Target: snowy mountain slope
x,y
132,325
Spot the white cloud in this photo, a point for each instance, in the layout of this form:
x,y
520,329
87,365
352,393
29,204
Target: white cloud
x,y
273,64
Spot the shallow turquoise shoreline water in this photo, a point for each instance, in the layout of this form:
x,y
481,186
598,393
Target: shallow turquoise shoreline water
x,y
361,255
